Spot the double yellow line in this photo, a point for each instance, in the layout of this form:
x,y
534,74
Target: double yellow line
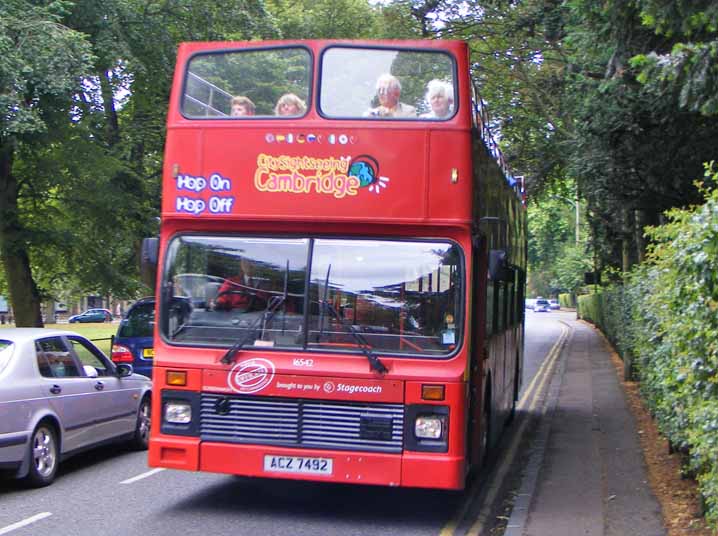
x,y
529,401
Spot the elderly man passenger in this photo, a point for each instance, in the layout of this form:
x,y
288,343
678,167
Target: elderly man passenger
x,y
388,91
440,96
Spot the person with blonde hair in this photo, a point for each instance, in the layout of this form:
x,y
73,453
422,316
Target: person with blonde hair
x,y
242,106
440,96
388,91
290,104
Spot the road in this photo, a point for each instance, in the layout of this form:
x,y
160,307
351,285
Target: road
x,y
111,491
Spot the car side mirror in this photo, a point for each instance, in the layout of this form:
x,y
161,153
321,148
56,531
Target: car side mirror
x,y
498,265
90,371
149,257
124,370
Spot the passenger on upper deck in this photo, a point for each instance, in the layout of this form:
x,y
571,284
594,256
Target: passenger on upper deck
x,y
290,104
440,96
242,106
388,90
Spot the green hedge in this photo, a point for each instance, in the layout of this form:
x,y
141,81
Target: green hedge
x,y
666,318
567,300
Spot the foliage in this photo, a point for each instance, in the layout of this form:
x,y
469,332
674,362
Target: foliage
x,y
666,317
338,19
556,261
566,300
689,70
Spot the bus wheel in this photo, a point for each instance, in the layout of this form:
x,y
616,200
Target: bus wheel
x,y
512,413
485,432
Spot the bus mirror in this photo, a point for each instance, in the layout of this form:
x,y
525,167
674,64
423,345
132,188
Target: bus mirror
x,y
148,261
498,266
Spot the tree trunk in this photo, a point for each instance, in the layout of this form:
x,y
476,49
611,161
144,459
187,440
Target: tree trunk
x,y
626,242
24,297
112,126
640,222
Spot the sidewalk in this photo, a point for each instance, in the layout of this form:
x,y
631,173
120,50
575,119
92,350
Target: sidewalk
x,y
588,475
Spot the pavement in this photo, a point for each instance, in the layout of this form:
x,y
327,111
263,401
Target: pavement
x,y
586,473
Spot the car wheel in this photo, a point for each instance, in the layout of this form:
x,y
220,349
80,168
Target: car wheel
x,y
44,456
141,439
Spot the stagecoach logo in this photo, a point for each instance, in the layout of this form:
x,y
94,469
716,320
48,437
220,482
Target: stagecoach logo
x,y
329,387
338,177
251,375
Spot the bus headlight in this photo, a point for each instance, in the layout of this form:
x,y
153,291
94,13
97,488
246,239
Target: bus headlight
x,y
177,412
429,426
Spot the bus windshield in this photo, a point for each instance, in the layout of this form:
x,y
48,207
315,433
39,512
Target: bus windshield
x,y
242,84
314,294
387,84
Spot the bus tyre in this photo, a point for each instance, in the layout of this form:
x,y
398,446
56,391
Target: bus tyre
x,y
485,436
512,412
141,439
44,456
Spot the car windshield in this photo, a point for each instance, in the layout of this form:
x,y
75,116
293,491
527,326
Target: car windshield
x,y
6,348
402,297
140,321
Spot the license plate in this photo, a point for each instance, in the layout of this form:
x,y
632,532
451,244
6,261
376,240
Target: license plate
x,y
148,353
298,464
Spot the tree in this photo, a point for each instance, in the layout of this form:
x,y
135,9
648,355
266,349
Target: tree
x,y
689,71
83,154
41,63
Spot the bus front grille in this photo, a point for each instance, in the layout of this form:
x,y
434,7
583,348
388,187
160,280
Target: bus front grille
x,y
297,422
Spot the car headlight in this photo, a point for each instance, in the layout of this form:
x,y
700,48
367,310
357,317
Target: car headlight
x,y
177,412
429,426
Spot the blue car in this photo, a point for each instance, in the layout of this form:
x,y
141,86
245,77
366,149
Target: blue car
x,y
133,342
92,315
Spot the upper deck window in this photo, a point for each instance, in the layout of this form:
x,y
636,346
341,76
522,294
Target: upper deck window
x,y
387,84
241,84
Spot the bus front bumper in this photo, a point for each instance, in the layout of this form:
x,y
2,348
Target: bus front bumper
x,y
409,469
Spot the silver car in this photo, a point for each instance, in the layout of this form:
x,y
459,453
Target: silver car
x,y
59,394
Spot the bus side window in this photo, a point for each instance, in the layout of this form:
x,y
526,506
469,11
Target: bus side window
x,y
490,308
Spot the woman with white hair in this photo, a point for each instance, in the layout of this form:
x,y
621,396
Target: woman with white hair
x,y
440,96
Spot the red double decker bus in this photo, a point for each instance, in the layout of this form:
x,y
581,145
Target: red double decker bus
x,y
341,266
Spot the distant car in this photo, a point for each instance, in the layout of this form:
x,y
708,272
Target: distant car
x,y
133,342
553,304
530,303
92,315
59,394
542,306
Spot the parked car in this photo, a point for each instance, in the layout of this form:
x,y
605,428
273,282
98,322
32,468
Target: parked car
x,y
554,305
133,342
59,394
542,306
92,315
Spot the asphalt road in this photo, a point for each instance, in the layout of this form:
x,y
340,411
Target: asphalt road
x,y
111,491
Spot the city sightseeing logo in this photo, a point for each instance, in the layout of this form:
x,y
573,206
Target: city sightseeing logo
x,y
338,177
251,375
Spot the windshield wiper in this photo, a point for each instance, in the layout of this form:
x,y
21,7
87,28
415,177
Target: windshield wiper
x,y
366,348
374,362
273,305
